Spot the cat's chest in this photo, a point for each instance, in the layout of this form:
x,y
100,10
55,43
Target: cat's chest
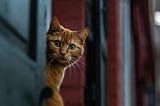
x,y
61,78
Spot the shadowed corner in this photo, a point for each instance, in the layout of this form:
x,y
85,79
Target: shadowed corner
x,y
46,93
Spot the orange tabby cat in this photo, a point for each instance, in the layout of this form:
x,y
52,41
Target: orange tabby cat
x,y
64,47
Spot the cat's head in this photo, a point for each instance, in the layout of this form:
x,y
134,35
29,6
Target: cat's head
x,y
64,46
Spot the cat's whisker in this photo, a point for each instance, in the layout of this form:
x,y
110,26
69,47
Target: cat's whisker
x,y
69,65
82,74
89,67
73,59
51,61
72,65
70,69
50,58
51,55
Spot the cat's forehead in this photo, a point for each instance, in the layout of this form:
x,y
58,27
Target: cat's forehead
x,y
65,36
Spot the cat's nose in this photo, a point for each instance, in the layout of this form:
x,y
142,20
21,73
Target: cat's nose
x,y
63,54
63,51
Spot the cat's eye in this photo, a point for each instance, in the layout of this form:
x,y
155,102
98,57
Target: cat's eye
x,y
57,43
72,46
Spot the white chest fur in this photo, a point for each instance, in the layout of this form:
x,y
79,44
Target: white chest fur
x,y
62,79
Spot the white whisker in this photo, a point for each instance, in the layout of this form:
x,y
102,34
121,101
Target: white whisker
x,y
82,74
51,61
70,69
72,66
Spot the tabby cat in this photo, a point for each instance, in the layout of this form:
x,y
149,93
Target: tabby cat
x,y
64,47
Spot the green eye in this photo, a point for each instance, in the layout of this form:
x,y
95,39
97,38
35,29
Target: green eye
x,y
72,47
57,43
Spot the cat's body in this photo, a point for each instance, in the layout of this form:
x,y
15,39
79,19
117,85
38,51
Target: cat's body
x,y
64,47
54,77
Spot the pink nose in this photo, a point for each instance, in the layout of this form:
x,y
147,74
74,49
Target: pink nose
x,y
63,50
63,53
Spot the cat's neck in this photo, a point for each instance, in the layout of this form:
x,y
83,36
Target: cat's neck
x,y
54,75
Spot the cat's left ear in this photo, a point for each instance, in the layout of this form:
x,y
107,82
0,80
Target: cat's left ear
x,y
82,34
54,26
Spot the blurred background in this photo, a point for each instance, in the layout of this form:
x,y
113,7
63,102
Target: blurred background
x,y
121,65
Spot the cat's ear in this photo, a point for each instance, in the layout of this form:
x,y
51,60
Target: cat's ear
x,y
54,26
82,34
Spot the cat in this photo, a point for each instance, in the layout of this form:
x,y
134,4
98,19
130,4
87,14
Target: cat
x,y
64,47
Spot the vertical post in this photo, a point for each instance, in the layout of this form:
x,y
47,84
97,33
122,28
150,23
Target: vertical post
x,y
114,71
101,55
144,61
96,46
126,46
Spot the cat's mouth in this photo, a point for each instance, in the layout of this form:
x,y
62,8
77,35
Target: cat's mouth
x,y
65,61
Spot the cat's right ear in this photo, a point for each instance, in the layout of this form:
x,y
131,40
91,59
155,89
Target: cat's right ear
x,y
54,26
